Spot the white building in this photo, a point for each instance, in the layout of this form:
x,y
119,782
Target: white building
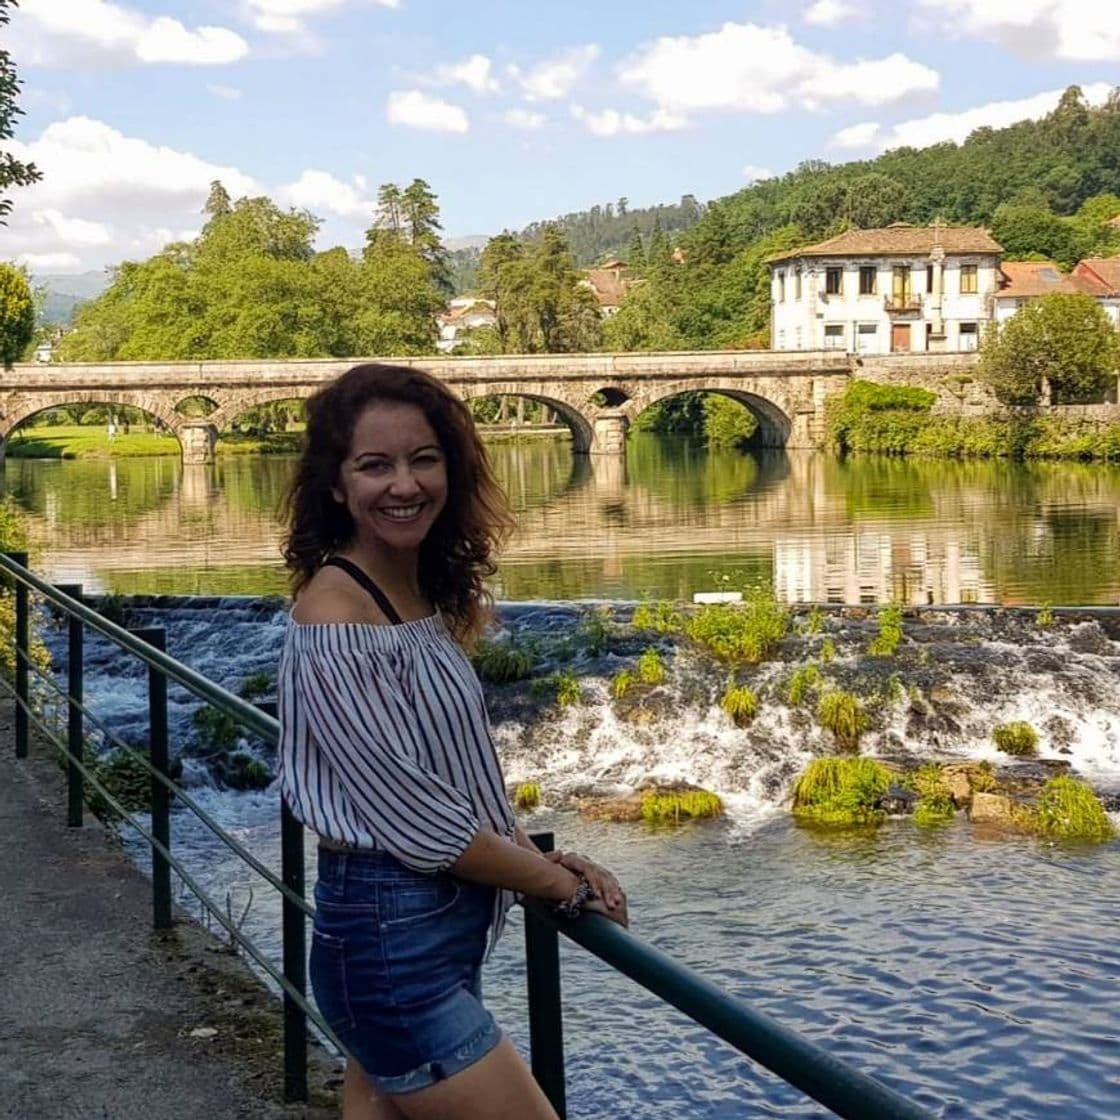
x,y
1022,281
902,289
463,314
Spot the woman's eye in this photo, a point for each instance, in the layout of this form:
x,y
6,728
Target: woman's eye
x,y
426,460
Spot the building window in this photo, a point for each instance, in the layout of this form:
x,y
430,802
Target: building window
x,y
968,279
781,339
797,284
833,281
867,280
929,279
865,336
834,336
970,336
782,286
900,284
797,338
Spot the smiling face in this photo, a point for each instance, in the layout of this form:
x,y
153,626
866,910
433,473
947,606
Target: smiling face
x,y
394,480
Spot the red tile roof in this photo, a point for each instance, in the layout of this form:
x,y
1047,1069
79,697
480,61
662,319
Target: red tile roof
x,y
1101,276
898,240
1027,279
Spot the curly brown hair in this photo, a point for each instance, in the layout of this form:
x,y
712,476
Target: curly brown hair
x,y
456,557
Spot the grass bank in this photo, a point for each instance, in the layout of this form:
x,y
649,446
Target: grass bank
x,y
898,420
87,442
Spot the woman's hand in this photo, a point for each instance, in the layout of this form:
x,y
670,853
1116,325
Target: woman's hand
x,y
617,914
603,883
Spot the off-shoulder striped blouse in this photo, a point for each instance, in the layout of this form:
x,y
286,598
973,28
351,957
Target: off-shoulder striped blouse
x,y
385,741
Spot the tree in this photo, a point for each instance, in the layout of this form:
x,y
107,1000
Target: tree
x,y
1026,231
420,211
636,254
1066,339
13,173
17,314
218,201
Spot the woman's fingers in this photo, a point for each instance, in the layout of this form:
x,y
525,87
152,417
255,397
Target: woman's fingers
x,y
603,883
616,914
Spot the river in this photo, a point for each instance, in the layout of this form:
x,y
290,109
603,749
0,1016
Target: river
x,y
974,971
668,521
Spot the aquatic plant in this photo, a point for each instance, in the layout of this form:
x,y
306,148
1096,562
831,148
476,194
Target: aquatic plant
x,y
1045,616
841,791
804,680
218,731
935,803
567,688
741,704
895,689
828,651
983,778
502,662
662,806
1017,738
890,631
842,713
660,617
814,620
256,685
741,634
622,683
527,796
594,631
650,669
1069,810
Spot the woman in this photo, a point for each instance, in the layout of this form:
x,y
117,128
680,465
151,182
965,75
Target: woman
x,y
385,751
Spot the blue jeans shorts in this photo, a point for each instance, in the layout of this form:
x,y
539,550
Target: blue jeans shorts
x,y
395,967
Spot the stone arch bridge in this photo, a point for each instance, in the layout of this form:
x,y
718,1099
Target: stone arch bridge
x,y
596,395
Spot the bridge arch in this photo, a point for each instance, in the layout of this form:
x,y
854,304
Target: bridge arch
x,y
774,416
23,411
580,425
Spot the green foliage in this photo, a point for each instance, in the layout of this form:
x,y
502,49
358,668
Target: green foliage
x,y
567,689
1069,810
814,620
216,731
1017,738
502,662
828,651
890,631
594,631
881,418
842,713
660,617
622,683
1045,616
651,671
741,634
741,704
527,796
935,804
983,778
1065,338
67,442
13,173
256,685
126,777
804,680
841,791
727,423
17,309
672,806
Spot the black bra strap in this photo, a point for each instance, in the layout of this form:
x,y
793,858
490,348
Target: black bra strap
x,y
379,596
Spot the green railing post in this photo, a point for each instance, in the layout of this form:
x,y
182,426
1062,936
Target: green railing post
x,y
294,931
23,652
75,727
546,1020
156,637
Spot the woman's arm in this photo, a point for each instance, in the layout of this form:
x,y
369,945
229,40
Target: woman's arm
x,y
515,865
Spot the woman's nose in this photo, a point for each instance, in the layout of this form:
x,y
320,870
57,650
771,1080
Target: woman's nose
x,y
404,481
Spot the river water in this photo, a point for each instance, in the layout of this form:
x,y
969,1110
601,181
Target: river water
x,y
975,972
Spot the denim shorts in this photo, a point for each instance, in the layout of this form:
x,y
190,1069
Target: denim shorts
x,y
395,967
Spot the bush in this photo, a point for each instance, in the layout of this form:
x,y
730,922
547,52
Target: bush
x,y
622,683
814,620
741,634
662,806
1069,810
890,631
935,804
527,796
841,791
650,669
502,662
659,617
805,680
828,651
843,715
1017,738
567,688
594,631
741,704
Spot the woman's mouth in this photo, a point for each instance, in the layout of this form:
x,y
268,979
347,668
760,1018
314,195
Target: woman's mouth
x,y
402,513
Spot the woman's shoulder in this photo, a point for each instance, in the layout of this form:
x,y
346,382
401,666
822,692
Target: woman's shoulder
x,y
332,597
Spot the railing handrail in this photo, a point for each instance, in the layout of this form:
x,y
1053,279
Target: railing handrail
x,y
797,1061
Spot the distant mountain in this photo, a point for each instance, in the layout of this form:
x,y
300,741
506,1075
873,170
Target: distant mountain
x,y
66,292
473,241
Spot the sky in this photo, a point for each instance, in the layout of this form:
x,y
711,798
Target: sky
x,y
512,110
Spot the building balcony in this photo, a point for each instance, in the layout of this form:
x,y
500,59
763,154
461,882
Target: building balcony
x,y
904,304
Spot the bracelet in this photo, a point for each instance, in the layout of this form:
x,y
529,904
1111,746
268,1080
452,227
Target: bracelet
x,y
571,907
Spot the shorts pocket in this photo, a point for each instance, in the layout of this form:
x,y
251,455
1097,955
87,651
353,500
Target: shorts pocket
x,y
327,971
419,901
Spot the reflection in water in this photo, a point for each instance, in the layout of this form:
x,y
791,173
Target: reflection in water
x,y
662,521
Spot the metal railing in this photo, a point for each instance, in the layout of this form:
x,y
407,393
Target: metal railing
x,y
828,1080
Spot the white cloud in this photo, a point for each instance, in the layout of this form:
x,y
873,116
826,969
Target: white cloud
x,y
555,78
41,264
830,13
610,122
286,17
921,132
524,119
474,72
96,32
763,70
321,193
755,174
226,93
105,196
1063,30
414,109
